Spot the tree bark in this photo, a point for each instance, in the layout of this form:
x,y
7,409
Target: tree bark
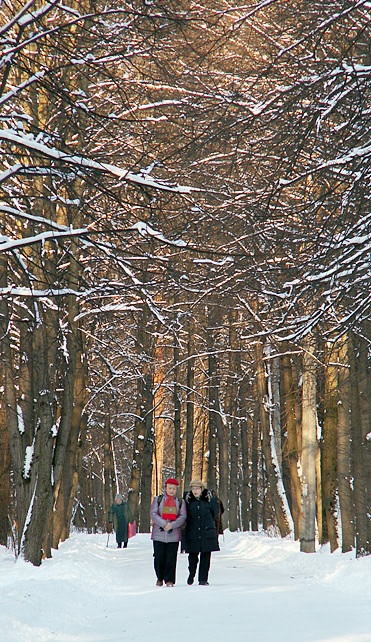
x,y
290,441
256,440
144,419
329,451
146,474
309,448
359,470
4,468
272,478
177,410
344,475
189,430
364,385
233,402
212,432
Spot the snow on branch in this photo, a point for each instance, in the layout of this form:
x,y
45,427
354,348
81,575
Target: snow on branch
x,y
144,229
18,213
28,141
15,90
6,245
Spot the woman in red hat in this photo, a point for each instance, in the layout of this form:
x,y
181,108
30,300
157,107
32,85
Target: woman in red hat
x,y
168,514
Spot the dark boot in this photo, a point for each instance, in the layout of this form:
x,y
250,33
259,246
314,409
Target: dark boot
x,y
190,580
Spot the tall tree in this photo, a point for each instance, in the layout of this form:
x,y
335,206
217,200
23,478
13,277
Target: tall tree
x,y
309,447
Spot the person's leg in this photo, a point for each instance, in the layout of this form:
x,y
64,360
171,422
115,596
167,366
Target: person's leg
x,y
192,566
159,558
125,544
119,544
170,562
203,570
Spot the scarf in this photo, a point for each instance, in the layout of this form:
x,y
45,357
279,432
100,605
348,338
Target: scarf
x,y
169,509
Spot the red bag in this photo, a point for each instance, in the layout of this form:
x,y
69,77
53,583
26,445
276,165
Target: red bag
x,y
132,529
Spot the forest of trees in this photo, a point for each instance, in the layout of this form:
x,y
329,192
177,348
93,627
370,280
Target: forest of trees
x,y
185,254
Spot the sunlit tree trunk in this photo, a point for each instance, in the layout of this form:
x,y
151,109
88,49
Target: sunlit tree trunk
x,y
213,394
344,449
234,409
364,384
329,452
309,449
255,449
245,482
189,429
159,404
177,410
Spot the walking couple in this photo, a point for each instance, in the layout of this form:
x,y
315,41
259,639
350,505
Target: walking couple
x,y
191,520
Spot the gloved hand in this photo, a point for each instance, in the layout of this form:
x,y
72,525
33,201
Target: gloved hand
x,y
109,527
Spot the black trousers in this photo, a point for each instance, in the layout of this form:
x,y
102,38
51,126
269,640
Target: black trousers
x,y
119,544
203,569
165,555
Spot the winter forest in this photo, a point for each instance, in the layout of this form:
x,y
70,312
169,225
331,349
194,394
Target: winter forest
x,y
185,244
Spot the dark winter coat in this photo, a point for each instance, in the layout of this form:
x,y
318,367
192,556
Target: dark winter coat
x,y
199,535
120,517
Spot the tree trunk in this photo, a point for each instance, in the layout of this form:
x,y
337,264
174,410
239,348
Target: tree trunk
x,y
364,385
290,456
245,485
256,439
212,433
146,475
144,415
309,448
189,430
233,406
159,403
16,435
358,453
4,468
344,450
177,410
329,451
275,486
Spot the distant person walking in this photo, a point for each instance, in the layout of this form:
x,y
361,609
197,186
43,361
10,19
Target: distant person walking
x,y
200,536
168,514
120,515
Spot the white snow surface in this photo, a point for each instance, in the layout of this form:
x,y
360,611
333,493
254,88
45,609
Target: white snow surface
x,y
262,589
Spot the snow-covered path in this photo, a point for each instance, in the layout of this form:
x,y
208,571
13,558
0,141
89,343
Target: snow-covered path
x,y
261,590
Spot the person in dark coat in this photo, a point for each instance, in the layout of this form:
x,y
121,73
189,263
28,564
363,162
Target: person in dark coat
x,y
119,515
200,535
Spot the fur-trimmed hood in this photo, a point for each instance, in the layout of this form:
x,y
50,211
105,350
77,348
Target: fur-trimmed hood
x,y
205,496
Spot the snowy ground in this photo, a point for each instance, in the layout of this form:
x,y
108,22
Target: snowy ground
x,y
261,590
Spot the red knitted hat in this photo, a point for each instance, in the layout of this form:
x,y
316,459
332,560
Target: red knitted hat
x,y
172,481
